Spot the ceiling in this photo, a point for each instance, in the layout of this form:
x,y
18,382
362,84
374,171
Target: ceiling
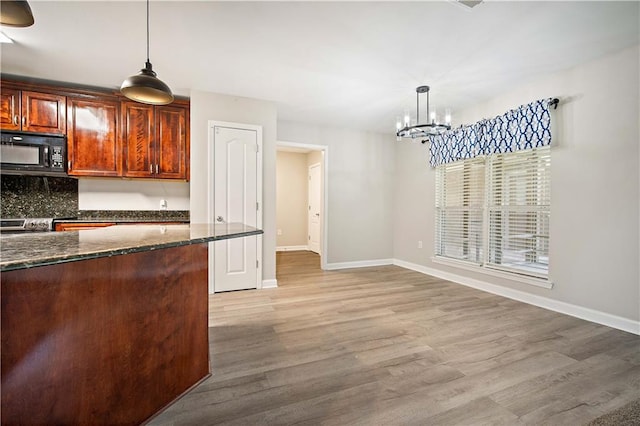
x,y
347,64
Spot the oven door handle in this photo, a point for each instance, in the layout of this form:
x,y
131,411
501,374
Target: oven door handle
x,y
12,228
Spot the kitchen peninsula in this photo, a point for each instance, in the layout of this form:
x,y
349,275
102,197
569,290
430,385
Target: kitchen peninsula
x,y
107,325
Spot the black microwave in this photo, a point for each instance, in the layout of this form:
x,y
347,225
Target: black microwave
x,y
31,154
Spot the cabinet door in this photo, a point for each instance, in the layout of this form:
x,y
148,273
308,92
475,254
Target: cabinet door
x,y
138,140
10,109
43,112
172,147
93,142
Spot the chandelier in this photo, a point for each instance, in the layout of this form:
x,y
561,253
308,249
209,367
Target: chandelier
x,y
432,128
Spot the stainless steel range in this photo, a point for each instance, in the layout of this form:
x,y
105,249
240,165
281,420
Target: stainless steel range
x,y
27,225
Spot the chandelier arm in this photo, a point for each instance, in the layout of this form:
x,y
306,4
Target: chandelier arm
x,y
417,107
428,116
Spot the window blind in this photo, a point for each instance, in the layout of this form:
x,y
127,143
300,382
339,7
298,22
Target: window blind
x,y
459,210
519,200
494,211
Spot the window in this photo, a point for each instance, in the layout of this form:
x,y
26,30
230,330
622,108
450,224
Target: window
x,y
494,211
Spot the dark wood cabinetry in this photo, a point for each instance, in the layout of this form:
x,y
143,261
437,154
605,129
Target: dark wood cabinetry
x,y
93,140
81,226
172,147
32,111
107,135
156,141
10,109
110,340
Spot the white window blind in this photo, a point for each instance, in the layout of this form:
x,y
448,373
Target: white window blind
x,y
459,210
519,206
494,211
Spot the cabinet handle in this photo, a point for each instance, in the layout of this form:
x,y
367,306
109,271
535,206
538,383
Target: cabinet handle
x,y
15,120
156,169
150,168
24,121
68,165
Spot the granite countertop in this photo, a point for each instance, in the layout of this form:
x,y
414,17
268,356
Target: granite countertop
x,y
118,220
27,250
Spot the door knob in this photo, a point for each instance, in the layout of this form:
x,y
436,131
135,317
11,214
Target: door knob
x,y
219,219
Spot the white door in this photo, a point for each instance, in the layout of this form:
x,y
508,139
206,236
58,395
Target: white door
x,y
236,195
315,218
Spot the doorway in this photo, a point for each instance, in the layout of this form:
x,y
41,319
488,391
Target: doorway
x,y
301,199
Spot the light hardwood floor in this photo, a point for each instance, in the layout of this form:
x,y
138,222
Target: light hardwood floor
x,y
389,346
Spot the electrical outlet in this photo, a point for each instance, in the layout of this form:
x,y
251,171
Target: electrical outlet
x,y
163,204
279,231
420,244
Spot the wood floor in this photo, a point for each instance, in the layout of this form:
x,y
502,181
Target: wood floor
x,y
389,346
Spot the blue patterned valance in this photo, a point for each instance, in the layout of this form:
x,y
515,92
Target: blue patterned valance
x,y
526,127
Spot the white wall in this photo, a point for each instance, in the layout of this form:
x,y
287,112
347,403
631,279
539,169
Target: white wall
x,y
292,198
130,194
360,167
212,106
595,187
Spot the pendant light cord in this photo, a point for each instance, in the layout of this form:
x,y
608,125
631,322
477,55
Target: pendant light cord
x,y
147,30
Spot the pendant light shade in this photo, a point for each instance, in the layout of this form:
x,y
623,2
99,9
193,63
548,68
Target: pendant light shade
x,y
146,87
15,13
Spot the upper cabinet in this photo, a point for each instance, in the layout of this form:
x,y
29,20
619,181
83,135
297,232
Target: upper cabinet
x,y
139,139
10,114
32,111
156,141
93,137
172,142
107,134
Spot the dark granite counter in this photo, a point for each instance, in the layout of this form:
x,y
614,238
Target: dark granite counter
x,y
27,250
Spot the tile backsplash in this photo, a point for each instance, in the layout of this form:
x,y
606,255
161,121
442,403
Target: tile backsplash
x,y
36,196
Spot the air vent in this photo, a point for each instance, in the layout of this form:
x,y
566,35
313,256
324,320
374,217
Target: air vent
x,y
469,3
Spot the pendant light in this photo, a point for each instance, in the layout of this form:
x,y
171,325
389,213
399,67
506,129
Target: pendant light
x,y
15,13
145,87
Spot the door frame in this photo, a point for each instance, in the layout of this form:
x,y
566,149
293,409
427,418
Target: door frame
x,y
211,125
324,247
309,202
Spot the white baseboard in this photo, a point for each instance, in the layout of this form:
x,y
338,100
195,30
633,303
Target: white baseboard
x,y
614,321
292,248
358,264
269,283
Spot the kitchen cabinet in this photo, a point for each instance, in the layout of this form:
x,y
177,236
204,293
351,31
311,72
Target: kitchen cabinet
x,y
107,135
32,111
93,140
156,143
108,340
81,226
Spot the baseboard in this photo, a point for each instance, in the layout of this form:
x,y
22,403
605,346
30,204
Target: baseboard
x,y
614,321
358,264
269,284
292,248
